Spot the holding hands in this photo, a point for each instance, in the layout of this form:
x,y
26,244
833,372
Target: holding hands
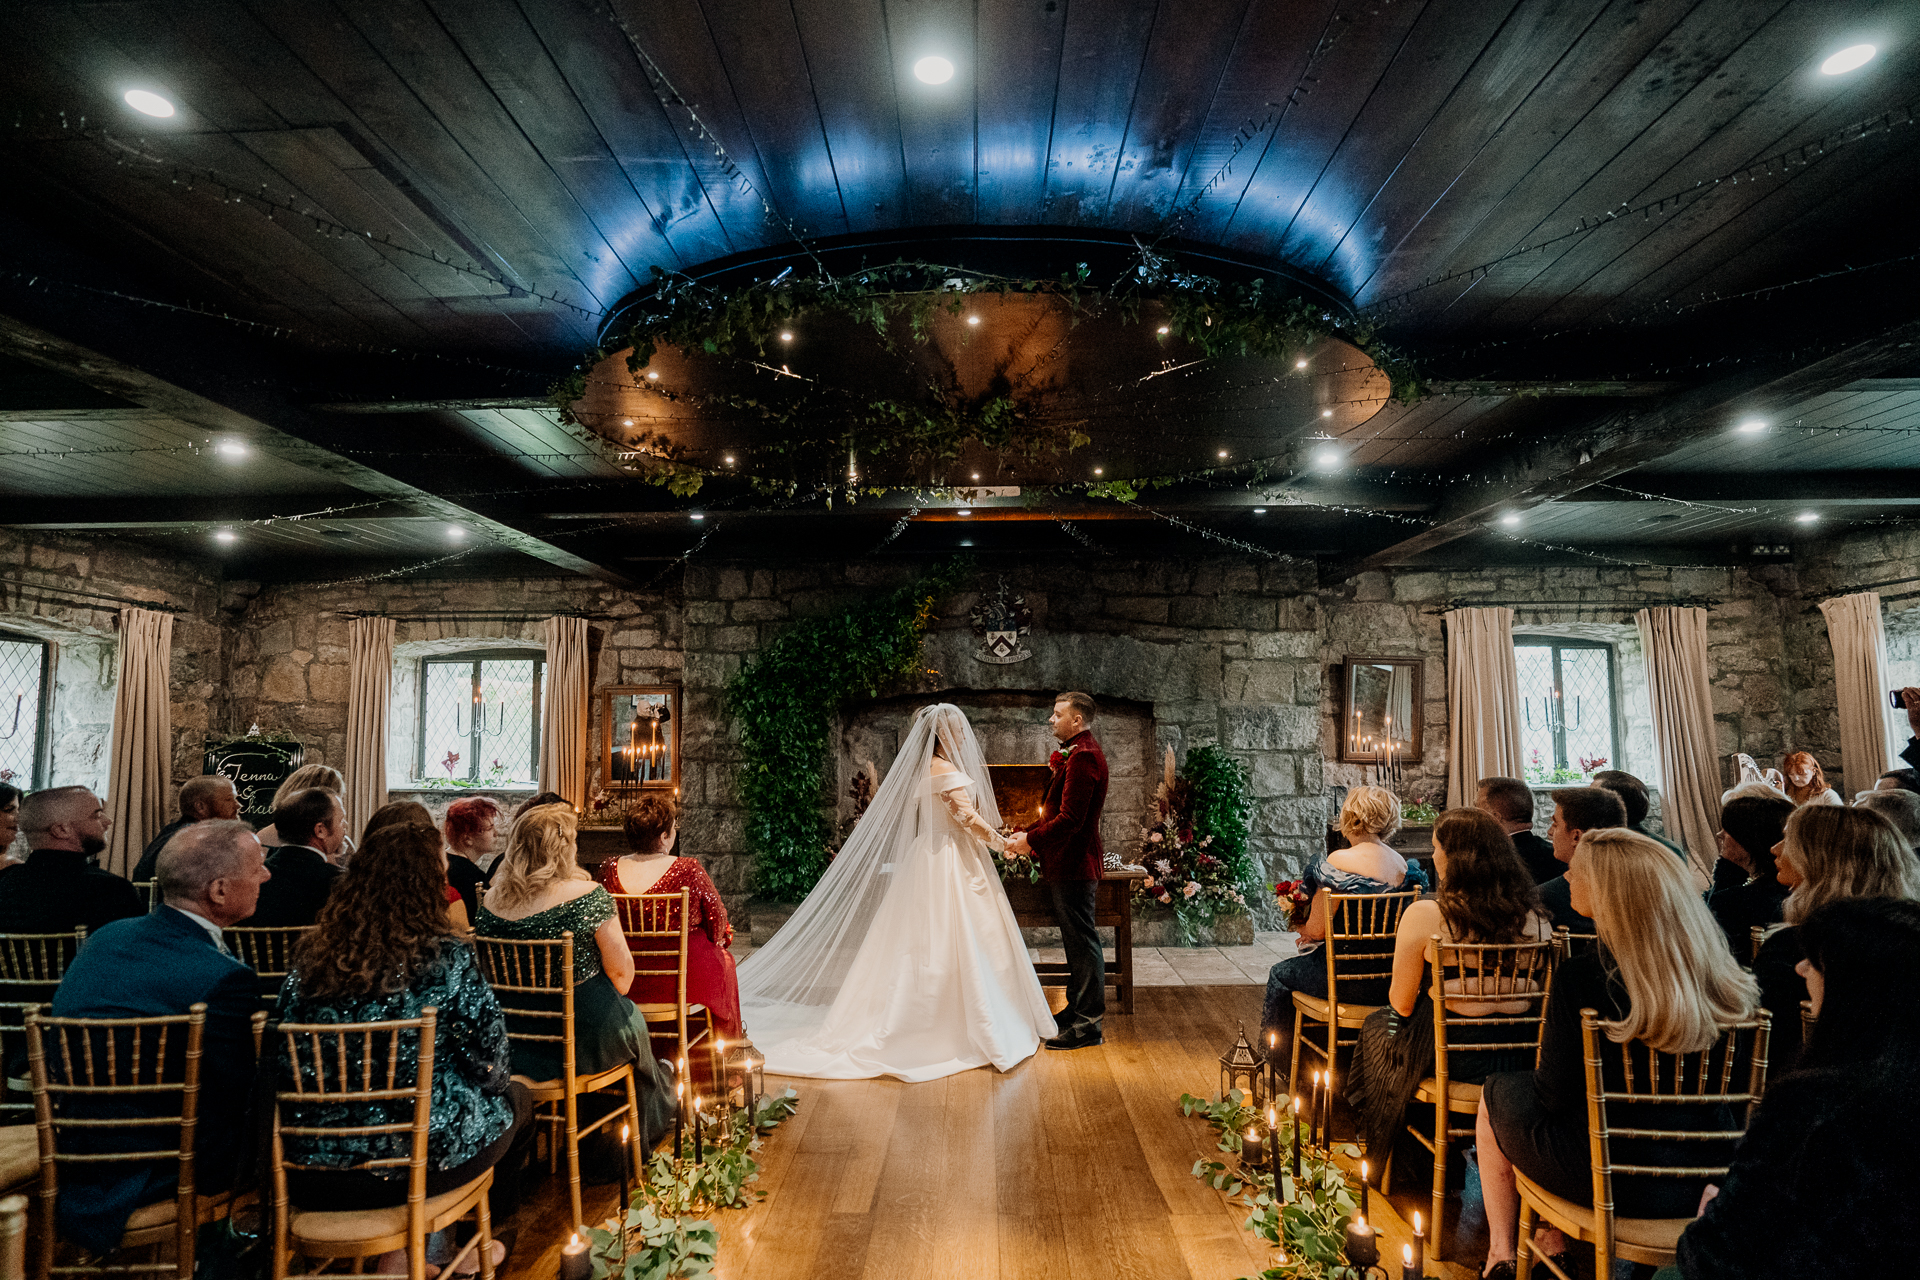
x,y
1017,845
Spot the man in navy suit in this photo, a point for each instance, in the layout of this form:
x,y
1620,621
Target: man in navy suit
x,y
210,877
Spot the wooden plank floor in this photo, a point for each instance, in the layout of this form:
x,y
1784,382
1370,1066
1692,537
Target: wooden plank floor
x,y
1073,1166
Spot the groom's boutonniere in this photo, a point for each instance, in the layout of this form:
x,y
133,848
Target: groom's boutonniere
x,y
1058,759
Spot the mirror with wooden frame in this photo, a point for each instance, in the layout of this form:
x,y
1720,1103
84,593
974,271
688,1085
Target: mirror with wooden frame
x,y
640,736
1380,710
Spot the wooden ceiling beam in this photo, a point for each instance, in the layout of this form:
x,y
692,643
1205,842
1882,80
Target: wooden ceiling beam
x,y
1631,437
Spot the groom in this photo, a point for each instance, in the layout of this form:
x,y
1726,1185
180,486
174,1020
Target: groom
x,y
1067,842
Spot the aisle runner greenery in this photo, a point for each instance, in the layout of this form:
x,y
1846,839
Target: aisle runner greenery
x,y
664,1240
1305,1220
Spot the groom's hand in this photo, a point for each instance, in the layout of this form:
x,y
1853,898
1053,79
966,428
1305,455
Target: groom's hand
x,y
1017,845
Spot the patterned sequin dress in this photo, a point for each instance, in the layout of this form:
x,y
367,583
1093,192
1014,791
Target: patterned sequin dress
x,y
711,980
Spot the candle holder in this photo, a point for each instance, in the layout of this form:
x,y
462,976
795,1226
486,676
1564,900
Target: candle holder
x,y
1242,1068
1363,1246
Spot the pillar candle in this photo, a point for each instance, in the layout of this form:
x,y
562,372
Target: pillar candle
x,y
699,1149
574,1262
1296,1137
626,1175
1406,1263
1418,1247
1253,1150
679,1114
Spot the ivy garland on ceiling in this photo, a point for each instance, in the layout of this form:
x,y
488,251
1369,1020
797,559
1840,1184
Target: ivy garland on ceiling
x,y
1220,319
784,703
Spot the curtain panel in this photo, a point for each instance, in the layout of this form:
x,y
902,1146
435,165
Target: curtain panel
x,y
1868,743
369,695
1483,702
1675,643
563,716
141,750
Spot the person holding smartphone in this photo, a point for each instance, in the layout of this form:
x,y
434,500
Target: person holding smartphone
x,y
1908,700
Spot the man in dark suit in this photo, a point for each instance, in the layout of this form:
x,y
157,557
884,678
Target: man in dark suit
x,y
1576,811
58,889
1072,860
164,963
1509,802
315,830
202,799
1633,794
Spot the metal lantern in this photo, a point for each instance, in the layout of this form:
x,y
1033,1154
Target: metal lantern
x,y
745,1073
1243,1068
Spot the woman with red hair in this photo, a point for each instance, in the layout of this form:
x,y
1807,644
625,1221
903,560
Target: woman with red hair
x,y
1806,783
470,848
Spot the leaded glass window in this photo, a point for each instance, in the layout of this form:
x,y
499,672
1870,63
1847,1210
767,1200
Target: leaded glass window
x,y
24,679
480,718
1566,708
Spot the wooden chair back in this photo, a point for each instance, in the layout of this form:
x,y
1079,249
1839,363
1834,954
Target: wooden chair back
x,y
658,927
344,1070
535,967
1361,929
1568,944
268,951
82,1065
1516,976
1808,1020
149,891
31,966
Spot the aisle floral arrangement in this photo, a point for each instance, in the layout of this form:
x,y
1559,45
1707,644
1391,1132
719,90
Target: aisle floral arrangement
x,y
1195,849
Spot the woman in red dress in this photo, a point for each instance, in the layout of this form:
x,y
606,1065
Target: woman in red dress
x,y
651,828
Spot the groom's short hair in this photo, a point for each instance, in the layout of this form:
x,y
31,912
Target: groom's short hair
x,y
1081,702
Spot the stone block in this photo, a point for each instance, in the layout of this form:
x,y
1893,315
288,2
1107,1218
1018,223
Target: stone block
x,y
1258,682
1274,774
1222,611
762,584
1273,728
757,611
328,682
643,638
1138,608
731,584
285,681
1295,817
705,612
1284,644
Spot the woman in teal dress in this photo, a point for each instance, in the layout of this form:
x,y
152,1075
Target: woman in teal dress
x,y
539,891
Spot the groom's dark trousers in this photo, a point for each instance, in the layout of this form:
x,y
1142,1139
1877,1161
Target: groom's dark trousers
x,y
1072,860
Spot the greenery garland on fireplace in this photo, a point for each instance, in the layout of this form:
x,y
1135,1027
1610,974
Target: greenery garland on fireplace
x,y
784,703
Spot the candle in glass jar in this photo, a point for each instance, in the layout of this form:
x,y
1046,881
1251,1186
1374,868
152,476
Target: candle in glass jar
x,y
574,1262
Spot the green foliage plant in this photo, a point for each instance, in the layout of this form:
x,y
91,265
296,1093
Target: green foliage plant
x,y
1196,846
784,703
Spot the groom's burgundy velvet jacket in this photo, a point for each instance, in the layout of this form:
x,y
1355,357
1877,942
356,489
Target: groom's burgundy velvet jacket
x,y
1067,838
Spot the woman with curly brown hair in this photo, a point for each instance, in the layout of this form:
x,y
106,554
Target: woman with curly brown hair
x,y
383,949
652,826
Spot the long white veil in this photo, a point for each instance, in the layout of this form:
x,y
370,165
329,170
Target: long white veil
x,y
790,983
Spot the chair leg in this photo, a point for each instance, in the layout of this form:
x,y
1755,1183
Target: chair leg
x,y
573,1159
485,1211
1293,1076
1436,1235
1386,1173
637,1143
1523,1246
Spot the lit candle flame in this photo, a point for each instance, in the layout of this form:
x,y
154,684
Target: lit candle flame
x,y
575,1242
1406,1255
1363,1171
1416,1222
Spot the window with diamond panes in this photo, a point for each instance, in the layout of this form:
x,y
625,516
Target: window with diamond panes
x,y
480,718
23,678
1566,709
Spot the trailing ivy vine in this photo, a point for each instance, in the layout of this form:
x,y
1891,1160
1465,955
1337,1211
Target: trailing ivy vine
x,y
784,703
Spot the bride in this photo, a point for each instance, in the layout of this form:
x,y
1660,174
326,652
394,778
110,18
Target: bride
x,y
905,959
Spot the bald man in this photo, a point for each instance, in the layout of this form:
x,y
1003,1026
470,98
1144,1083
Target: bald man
x,y
207,798
58,888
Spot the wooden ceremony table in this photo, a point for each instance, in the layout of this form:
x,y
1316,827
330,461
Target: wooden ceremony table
x,y
1033,909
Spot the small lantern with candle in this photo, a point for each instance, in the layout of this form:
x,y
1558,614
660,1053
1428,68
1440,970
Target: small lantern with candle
x,y
1242,1068
744,1070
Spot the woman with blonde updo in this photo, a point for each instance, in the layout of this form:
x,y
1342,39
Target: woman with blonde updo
x,y
1367,865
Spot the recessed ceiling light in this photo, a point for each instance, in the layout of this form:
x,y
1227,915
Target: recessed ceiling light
x,y
976,475
973,319
153,104
231,449
933,70
965,512
1259,511
1807,517
1751,425
1327,457
1326,413
696,515
729,459
224,535
1299,364
455,533
653,376
1099,471
1851,58
1510,519
966,542
1223,453
626,422
1165,330
786,337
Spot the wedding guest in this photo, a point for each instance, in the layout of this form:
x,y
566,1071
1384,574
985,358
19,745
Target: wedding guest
x,y
1661,974
1367,865
1750,827
539,891
1901,808
305,778
385,949
1828,853
1899,780
9,823
1823,1182
651,827
1510,802
314,828
471,847
1806,782
206,798
58,889
413,813
537,801
1576,811
1633,794
1487,895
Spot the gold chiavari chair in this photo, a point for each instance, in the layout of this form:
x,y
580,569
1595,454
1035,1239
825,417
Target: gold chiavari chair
x,y
533,979
149,891
356,1072
268,951
1512,978
1359,947
88,1075
658,940
1808,1019
31,966
1730,1074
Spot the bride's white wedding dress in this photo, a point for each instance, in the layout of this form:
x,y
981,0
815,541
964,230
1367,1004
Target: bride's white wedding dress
x,y
936,979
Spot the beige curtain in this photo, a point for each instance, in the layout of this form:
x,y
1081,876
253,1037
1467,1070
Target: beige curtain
x,y
1867,741
142,743
369,694
563,716
1675,642
1483,702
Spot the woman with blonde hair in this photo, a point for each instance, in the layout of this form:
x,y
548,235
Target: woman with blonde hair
x,y
305,778
1827,854
1367,865
1660,974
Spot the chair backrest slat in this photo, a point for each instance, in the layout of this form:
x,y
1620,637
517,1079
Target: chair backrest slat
x,y
356,1064
1483,973
532,967
1361,928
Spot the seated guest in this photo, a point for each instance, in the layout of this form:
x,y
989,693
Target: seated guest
x,y
471,846
539,891
1749,829
305,778
1576,811
1633,794
384,950
58,889
205,798
1901,808
1510,802
1828,853
412,813
652,825
539,801
1806,782
210,876
9,823
1486,895
313,828
1660,974
1899,780
1823,1182
1368,865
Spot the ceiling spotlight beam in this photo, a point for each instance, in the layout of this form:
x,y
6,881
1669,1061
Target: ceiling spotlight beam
x,y
1631,437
